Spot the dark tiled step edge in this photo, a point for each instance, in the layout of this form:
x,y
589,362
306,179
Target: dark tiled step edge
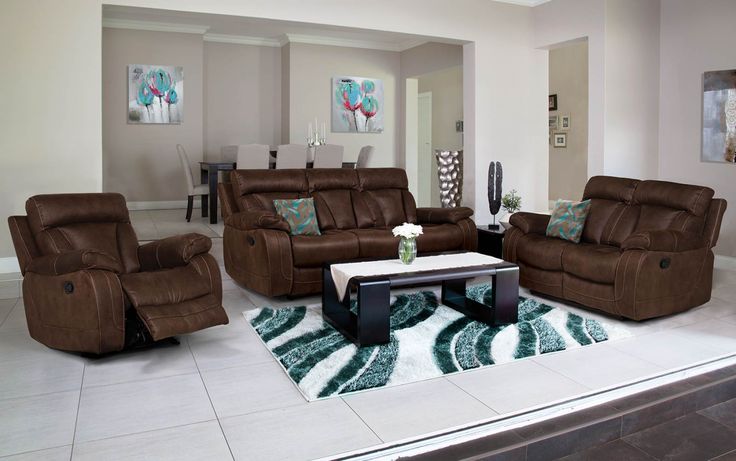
x,y
599,425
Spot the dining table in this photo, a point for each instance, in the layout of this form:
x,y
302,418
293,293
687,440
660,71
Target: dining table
x,y
210,171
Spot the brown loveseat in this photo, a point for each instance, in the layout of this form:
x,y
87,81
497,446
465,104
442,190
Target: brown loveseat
x,y
90,287
356,210
645,250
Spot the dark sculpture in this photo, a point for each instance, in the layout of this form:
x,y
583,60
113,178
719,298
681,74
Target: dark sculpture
x,y
495,178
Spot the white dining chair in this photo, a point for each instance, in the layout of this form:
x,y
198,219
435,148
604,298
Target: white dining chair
x,y
192,189
291,156
253,157
366,152
328,156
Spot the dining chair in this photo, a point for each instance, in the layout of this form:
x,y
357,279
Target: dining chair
x,y
200,189
291,156
253,157
366,152
328,156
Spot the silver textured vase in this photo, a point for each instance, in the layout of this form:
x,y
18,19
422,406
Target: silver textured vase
x,y
450,173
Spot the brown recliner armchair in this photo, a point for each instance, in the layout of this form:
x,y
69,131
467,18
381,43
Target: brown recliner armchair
x,y
90,287
646,249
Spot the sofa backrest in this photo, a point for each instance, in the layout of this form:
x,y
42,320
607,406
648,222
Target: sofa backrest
x,y
343,198
257,189
63,222
622,206
386,193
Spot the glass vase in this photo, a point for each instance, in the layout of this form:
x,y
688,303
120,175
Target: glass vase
x,y
407,250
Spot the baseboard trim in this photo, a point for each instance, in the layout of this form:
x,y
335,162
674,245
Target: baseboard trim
x,y
9,265
161,205
725,262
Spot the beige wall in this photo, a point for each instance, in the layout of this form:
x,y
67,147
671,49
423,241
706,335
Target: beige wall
x,y
695,37
50,137
568,79
623,70
632,88
242,88
140,161
446,87
310,91
510,113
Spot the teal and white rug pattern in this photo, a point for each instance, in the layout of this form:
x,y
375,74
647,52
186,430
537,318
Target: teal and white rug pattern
x,y
428,340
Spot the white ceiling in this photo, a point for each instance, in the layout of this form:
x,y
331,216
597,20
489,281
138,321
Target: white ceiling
x,y
271,32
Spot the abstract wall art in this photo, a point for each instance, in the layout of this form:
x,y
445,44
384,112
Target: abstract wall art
x,y
719,116
155,94
357,105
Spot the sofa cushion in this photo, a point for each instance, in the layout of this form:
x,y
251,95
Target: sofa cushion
x,y
168,286
567,220
299,214
310,250
541,251
597,263
439,237
377,243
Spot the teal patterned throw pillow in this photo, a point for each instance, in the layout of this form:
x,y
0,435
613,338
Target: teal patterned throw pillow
x,y
300,215
568,219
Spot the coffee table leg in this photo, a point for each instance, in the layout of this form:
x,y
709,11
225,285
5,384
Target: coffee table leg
x,y
335,311
505,299
374,312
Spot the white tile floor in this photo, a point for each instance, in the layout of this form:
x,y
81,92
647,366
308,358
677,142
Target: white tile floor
x,y
221,395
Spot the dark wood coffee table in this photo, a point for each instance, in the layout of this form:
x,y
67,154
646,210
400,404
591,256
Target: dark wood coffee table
x,y
370,323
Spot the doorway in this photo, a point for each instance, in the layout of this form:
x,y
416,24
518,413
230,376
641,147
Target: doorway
x,y
568,121
425,155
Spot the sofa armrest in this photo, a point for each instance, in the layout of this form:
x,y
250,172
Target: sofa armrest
x,y
172,251
530,223
443,215
73,261
664,240
250,220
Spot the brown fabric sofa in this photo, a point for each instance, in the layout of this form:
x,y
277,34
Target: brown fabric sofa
x,y
356,210
90,287
646,249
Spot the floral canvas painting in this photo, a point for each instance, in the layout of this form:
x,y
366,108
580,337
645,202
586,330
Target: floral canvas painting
x,y
719,116
357,105
155,94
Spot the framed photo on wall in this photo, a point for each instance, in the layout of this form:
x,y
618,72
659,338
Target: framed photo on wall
x,y
564,122
559,140
719,117
552,102
552,122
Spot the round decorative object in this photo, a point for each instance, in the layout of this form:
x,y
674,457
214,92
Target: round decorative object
x,y
407,250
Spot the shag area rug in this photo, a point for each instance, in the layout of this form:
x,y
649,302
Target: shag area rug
x,y
428,340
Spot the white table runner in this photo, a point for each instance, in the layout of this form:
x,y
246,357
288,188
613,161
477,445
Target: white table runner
x,y
342,273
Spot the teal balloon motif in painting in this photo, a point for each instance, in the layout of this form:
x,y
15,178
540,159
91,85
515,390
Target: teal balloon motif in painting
x,y
146,83
357,101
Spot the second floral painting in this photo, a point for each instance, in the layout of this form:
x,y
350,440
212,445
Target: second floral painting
x,y
357,105
155,94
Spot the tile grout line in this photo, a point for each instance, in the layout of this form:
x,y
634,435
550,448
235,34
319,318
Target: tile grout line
x,y
10,312
214,410
472,396
76,419
361,419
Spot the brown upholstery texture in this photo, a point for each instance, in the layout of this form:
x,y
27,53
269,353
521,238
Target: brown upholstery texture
x,y
85,274
356,210
645,252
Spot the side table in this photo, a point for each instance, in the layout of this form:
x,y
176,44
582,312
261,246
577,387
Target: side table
x,y
490,241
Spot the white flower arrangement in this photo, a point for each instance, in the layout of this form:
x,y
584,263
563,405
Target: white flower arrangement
x,y
407,231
